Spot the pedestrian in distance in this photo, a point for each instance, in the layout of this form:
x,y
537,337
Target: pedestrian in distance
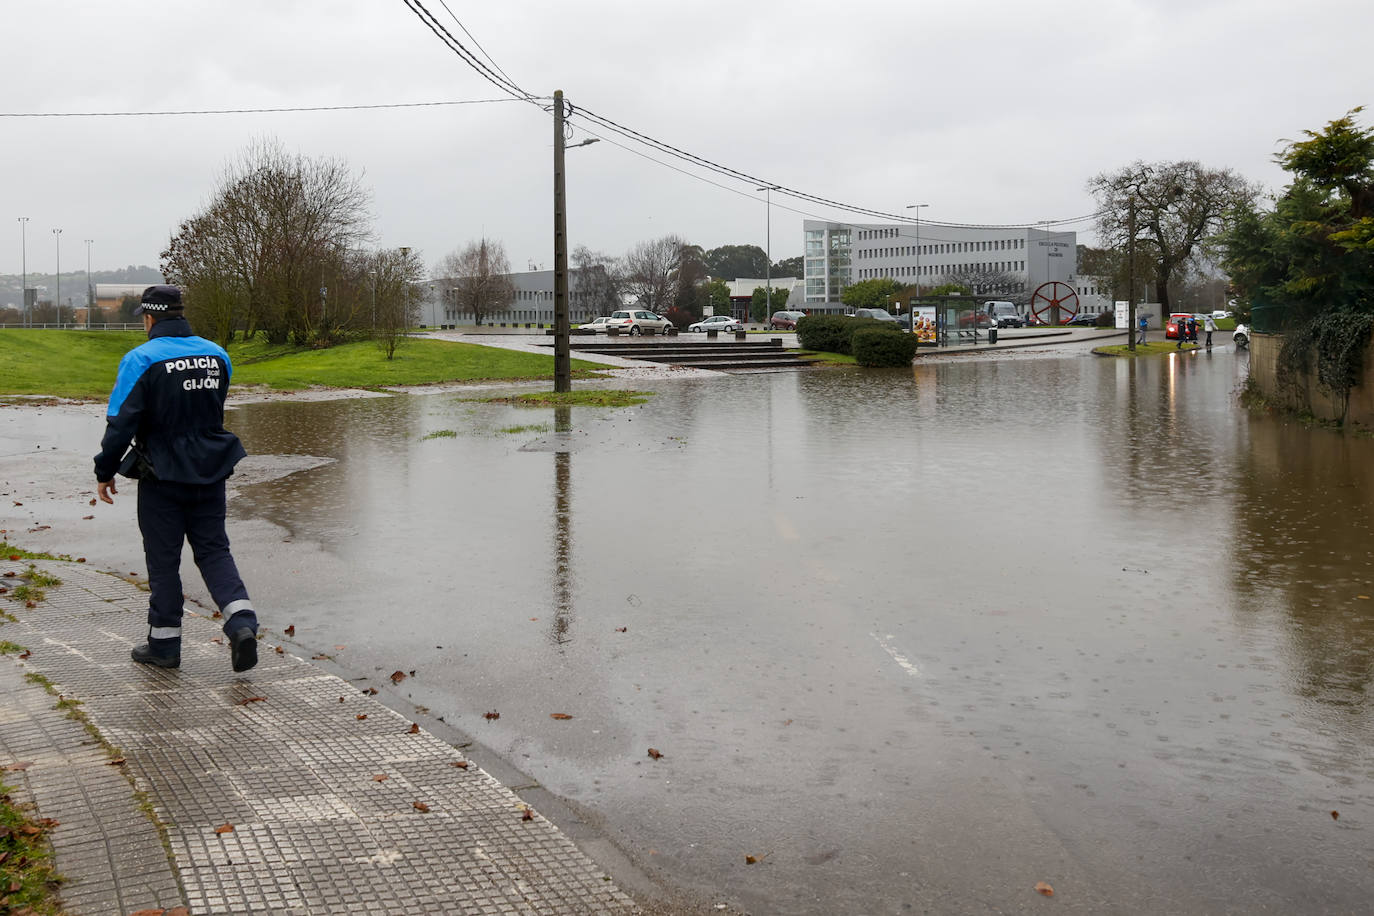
x,y
167,409
1192,331
1210,326
1144,323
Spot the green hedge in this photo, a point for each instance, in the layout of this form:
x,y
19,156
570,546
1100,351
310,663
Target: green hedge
x,y
833,333
880,349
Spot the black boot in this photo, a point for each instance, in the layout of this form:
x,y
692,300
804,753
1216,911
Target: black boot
x,y
164,653
243,649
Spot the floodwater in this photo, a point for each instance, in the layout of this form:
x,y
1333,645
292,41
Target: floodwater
x,y
914,641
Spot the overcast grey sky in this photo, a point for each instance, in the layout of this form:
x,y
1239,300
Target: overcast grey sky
x,y
990,111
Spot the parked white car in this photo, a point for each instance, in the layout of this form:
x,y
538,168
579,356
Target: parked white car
x,y
638,321
595,326
716,323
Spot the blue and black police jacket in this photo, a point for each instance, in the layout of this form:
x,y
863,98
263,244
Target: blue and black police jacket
x,y
169,394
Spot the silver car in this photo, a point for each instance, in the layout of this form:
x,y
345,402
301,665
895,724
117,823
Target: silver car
x,y
716,323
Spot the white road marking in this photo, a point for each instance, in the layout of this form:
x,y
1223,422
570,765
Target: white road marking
x,y
902,661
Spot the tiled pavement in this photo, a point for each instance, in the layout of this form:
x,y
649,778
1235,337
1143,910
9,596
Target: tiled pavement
x,y
335,804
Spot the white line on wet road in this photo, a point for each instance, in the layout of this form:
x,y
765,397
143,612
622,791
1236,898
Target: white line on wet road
x,y
902,661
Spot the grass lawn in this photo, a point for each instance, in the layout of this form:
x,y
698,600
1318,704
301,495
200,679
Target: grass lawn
x,y
81,364
1153,348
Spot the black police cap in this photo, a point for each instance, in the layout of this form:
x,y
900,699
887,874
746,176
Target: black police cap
x,y
159,300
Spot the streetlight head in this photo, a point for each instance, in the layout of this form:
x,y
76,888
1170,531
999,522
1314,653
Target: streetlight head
x,y
769,187
916,206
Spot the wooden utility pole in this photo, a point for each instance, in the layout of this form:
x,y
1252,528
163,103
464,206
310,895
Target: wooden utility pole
x,y
562,345
1130,272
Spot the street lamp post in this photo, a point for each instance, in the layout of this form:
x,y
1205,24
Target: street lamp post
x,y
562,326
767,190
57,299
90,290
24,268
917,208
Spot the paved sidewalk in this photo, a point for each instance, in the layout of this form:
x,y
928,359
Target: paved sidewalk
x,y
280,790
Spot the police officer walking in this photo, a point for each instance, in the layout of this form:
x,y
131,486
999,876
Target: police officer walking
x,y
168,401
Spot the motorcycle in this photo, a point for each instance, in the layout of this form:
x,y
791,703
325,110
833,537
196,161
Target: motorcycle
x,y
1241,337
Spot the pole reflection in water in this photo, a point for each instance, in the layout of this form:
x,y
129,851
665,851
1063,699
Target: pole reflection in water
x,y
562,527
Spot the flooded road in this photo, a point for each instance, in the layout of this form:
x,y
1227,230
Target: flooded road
x,y
912,640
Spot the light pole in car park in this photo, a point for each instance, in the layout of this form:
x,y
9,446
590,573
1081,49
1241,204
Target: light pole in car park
x,y
24,268
57,299
917,208
767,190
90,290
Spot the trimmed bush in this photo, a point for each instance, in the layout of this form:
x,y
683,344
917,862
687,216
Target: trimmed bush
x,y
880,349
833,333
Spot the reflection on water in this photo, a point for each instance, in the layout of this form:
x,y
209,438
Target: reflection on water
x,y
1128,616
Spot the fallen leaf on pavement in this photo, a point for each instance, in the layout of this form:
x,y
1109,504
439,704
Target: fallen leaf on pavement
x,y
1335,815
559,715
361,716
247,700
397,677
26,653
489,716
87,518
1044,888
655,753
280,650
526,814
319,658
224,828
460,764
380,777
19,765
622,629
215,616
751,860
420,806
290,631
371,691
115,762
93,502
415,728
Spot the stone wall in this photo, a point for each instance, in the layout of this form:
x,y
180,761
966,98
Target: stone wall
x,y
1307,395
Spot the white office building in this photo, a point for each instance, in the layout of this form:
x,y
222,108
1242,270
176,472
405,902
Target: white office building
x,y
996,263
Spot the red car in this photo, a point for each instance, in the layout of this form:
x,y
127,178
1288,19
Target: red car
x,y
1171,329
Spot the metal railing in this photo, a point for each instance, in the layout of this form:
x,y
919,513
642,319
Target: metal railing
x,y
1267,318
68,326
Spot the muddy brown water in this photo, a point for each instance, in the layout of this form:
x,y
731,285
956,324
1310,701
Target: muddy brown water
x,y
914,641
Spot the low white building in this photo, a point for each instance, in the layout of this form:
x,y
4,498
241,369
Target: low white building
x,y
1001,263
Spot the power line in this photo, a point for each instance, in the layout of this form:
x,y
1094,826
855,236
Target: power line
x,y
477,44
925,237
500,81
634,135
504,83
223,111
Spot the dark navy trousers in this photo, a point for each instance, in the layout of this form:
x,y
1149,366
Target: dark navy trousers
x,y
169,513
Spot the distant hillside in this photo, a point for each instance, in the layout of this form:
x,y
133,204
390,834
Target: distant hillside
x,y
73,282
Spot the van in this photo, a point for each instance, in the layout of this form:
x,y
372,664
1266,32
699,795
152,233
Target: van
x,y
1003,313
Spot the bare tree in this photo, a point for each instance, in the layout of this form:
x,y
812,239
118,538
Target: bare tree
x,y
397,277
651,269
982,280
597,281
272,232
1179,207
477,279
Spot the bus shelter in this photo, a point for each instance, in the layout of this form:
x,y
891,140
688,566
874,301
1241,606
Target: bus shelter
x,y
943,321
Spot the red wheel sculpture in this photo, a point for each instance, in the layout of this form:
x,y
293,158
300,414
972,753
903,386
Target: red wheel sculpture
x,y
1054,295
